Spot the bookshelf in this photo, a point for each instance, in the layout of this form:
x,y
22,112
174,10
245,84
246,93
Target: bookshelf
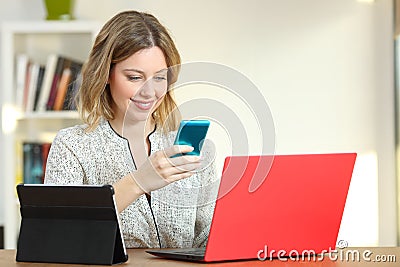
x,y
37,40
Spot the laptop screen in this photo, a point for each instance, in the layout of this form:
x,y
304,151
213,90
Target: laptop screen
x,y
295,204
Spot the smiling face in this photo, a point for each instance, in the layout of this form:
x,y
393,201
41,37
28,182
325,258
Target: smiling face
x,y
140,83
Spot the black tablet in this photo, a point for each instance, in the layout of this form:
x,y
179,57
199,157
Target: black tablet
x,y
69,224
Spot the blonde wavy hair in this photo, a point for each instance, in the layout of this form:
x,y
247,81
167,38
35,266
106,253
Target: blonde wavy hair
x,y
123,35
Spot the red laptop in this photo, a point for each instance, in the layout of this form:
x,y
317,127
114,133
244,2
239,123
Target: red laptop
x,y
286,203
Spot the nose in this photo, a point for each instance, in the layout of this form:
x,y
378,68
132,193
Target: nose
x,y
148,89
153,88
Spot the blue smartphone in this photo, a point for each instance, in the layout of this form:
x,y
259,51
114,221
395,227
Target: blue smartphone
x,y
192,133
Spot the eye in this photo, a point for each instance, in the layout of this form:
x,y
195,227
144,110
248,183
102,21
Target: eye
x,y
134,78
160,78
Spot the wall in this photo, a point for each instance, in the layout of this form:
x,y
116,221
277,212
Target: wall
x,y
324,67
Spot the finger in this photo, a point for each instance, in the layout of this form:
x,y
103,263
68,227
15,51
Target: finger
x,y
162,163
182,160
174,170
178,176
177,149
188,167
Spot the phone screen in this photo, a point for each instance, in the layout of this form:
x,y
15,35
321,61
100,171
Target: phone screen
x,y
192,133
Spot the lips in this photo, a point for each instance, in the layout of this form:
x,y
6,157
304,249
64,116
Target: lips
x,y
143,105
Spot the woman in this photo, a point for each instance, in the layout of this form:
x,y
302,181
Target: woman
x,y
130,123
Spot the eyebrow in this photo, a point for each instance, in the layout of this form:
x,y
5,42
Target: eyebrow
x,y
142,72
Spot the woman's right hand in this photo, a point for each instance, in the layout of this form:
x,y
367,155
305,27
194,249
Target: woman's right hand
x,y
160,169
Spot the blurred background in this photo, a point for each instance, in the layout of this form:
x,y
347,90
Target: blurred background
x,y
325,68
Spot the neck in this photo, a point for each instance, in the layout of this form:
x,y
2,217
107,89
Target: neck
x,y
135,129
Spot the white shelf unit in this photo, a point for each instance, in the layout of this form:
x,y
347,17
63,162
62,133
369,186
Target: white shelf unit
x,y
37,39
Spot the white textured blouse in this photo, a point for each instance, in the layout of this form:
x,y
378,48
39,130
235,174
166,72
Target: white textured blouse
x,y
182,210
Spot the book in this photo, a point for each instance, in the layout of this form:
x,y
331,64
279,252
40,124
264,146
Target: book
x,y
47,82
45,154
61,62
38,87
51,87
34,161
26,86
22,61
32,85
62,89
73,87
19,177
73,66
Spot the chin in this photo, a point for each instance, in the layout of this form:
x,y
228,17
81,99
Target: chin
x,y
136,117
